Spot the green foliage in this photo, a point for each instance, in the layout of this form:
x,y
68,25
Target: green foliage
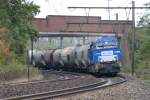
x,y
16,24
142,57
17,16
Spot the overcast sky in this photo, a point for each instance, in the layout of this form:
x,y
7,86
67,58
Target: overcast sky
x,y
59,7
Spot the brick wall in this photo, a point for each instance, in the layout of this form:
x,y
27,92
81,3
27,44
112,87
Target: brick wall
x,y
54,23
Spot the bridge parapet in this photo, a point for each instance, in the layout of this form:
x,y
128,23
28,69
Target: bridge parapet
x,y
93,24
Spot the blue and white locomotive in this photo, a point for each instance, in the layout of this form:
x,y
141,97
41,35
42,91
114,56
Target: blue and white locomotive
x,y
105,55
102,56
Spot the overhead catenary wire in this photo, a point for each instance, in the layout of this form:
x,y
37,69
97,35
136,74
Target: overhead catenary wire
x,y
109,7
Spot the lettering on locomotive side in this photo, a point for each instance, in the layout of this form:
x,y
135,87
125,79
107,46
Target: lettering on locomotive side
x,y
106,53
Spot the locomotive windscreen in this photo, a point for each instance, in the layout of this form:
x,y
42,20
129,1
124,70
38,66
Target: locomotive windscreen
x,y
104,42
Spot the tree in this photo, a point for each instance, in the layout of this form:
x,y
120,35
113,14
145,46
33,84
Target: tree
x,y
143,51
17,16
16,27
144,35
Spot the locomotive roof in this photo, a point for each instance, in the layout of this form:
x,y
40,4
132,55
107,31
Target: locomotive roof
x,y
112,39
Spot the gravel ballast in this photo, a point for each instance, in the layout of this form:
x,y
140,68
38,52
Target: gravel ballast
x,y
32,88
133,89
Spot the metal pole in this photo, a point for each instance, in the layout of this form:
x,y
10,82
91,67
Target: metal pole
x,y
116,16
61,40
116,26
83,40
108,10
31,58
133,36
27,63
28,73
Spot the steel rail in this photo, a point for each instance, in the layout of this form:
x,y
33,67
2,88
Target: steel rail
x,y
52,94
56,93
62,78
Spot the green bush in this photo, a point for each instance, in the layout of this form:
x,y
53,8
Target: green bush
x,y
142,55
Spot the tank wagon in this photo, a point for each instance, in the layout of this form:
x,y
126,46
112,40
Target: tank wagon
x,y
102,56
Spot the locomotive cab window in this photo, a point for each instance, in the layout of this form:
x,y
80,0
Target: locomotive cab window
x,y
101,43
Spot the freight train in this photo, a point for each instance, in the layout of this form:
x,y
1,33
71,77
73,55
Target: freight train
x,y
103,56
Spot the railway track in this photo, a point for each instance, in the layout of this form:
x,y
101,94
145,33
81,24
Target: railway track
x,y
62,76
104,82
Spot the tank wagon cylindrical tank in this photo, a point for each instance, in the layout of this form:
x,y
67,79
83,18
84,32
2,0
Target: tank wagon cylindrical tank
x,y
85,59
57,58
28,58
67,56
48,57
81,56
37,59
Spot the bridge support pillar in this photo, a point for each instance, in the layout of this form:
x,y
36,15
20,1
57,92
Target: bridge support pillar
x,y
61,42
83,40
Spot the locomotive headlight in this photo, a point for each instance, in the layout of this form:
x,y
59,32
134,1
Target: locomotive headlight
x,y
101,60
